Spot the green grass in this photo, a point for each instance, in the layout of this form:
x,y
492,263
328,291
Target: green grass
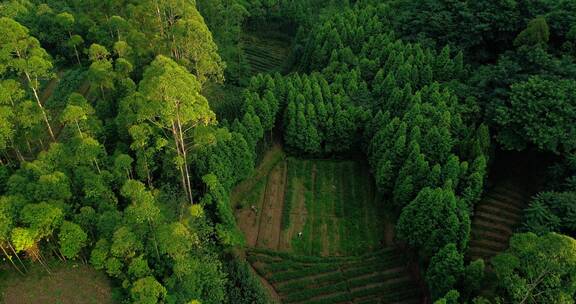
x,y
342,215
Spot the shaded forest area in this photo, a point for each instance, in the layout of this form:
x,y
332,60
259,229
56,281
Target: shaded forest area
x,y
126,125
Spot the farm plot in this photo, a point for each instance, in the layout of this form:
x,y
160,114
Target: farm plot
x,y
378,277
330,209
265,54
312,207
495,218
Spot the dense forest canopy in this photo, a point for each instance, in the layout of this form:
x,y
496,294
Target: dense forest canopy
x,y
117,151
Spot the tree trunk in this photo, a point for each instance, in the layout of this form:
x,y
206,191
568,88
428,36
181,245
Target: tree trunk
x,y
17,256
41,107
180,167
11,261
75,49
185,155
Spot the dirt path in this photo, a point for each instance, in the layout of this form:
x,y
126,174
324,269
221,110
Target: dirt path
x,y
271,215
249,222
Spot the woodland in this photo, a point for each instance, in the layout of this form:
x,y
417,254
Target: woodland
x,y
383,151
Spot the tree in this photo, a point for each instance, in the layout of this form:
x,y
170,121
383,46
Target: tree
x,y
125,244
473,277
72,239
23,54
445,270
537,33
147,291
66,21
537,269
433,208
174,110
101,71
540,112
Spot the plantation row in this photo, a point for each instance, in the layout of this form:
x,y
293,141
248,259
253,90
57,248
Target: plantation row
x,y
378,277
495,218
265,55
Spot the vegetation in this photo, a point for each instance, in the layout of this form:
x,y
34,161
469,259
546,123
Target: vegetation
x,y
144,141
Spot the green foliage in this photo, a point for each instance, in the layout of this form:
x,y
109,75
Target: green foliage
x,y
433,208
537,269
72,239
550,212
539,113
536,33
445,271
244,286
451,297
147,291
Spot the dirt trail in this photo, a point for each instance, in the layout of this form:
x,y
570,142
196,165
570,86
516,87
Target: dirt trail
x,y
249,222
271,215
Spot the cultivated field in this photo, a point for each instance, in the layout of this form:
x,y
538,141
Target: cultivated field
x,y
495,218
312,207
265,54
316,235
378,277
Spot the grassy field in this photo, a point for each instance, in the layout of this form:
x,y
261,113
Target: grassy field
x,y
341,214
377,277
70,283
310,207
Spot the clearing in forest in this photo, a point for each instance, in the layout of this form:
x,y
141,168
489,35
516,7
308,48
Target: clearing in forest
x,y
266,52
316,234
310,207
69,283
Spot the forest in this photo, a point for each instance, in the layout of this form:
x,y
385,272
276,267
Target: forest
x,y
288,151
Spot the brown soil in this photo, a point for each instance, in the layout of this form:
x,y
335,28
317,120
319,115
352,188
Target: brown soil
x,y
70,283
389,233
248,223
271,216
507,228
270,159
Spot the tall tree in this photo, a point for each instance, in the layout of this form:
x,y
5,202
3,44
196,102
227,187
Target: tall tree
x,y
538,269
173,109
22,54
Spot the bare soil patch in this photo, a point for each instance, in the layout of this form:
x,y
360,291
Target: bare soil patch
x,y
70,283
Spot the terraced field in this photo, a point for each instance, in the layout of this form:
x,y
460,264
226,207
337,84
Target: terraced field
x,y
378,277
265,54
495,218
